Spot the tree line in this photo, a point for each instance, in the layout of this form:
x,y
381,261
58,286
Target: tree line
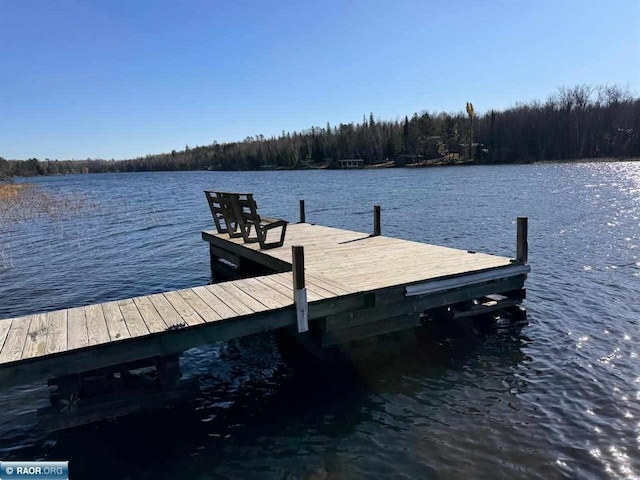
x,y
574,123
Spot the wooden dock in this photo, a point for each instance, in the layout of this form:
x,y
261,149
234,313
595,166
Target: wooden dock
x,y
357,285
391,280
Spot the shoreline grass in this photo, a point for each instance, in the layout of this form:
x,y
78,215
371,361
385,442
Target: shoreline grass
x,y
23,202
20,202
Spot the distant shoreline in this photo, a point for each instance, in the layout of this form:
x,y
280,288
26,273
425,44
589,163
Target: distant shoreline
x,y
438,163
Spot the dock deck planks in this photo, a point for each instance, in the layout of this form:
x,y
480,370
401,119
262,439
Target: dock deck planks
x,y
16,338
28,343
77,333
359,262
341,266
35,342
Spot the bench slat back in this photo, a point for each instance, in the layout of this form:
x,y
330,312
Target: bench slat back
x,y
221,206
247,209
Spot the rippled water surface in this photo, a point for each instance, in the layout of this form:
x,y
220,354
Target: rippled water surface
x,y
556,398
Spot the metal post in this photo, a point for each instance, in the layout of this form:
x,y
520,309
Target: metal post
x,y
299,288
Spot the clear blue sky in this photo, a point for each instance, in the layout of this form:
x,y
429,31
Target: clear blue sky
x,y
119,79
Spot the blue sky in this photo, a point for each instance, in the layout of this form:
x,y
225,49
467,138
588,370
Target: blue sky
x,y
120,79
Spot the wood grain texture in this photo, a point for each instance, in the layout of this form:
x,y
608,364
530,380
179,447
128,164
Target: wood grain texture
x,y
167,312
16,338
215,303
96,325
115,321
207,313
240,301
56,331
77,333
133,318
186,311
36,338
5,325
150,315
264,294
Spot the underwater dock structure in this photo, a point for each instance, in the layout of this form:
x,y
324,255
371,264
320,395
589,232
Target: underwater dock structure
x,y
324,287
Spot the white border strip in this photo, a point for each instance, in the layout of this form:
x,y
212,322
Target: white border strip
x,y
466,280
302,310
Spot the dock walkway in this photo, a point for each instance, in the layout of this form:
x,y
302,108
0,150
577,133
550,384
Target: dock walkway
x,y
75,340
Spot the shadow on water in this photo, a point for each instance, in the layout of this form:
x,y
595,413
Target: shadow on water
x,y
254,405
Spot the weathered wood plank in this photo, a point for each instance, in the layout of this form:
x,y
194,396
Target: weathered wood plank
x,y
315,292
188,314
16,339
132,318
165,343
165,309
150,315
56,331
266,295
36,338
328,284
326,288
286,292
216,304
207,313
242,303
115,321
77,333
285,280
96,325
5,326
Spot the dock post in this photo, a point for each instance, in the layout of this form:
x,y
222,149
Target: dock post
x,y
522,244
303,217
299,288
212,260
376,220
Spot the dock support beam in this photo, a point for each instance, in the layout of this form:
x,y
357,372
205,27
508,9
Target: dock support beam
x,y
376,220
299,288
303,217
522,243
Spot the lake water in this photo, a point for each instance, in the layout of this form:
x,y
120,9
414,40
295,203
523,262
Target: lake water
x,y
557,398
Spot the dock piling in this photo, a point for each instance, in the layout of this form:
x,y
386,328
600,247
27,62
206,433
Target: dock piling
x,y
376,220
303,217
522,243
299,288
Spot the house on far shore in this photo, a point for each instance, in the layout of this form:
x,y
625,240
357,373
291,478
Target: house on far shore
x,y
350,163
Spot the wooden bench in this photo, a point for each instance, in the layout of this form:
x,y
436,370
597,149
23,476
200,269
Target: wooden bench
x,y
239,212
